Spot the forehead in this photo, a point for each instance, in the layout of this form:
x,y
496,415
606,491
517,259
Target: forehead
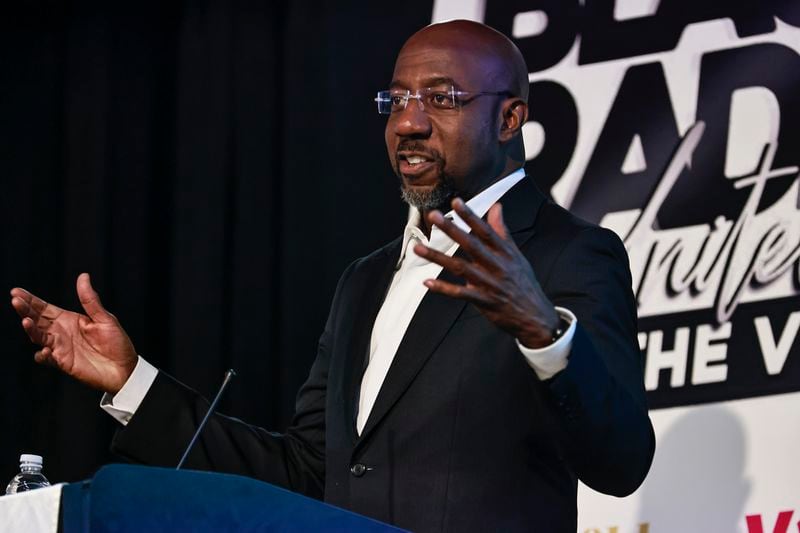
x,y
425,66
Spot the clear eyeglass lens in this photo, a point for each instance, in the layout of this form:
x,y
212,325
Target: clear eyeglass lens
x,y
432,100
384,101
442,99
398,100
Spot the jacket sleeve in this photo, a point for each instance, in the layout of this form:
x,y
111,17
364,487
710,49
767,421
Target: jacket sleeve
x,y
170,413
599,398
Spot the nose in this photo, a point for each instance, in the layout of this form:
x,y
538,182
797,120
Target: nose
x,y
412,121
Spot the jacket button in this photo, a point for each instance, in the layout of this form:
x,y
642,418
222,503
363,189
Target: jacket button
x,y
358,469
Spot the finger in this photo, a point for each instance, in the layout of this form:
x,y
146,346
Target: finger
x,y
90,300
462,292
45,356
19,292
479,228
22,307
479,252
37,304
36,334
25,310
457,266
495,219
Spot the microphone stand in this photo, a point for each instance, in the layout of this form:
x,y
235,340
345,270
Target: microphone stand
x,y
228,375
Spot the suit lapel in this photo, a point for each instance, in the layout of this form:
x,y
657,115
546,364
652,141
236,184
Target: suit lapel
x,y
375,282
520,208
431,322
436,313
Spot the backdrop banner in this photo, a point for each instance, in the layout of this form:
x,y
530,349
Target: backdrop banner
x,y
674,124
182,153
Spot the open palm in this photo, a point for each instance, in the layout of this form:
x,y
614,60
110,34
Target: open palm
x,y
92,348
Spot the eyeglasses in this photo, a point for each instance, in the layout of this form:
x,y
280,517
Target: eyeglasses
x,y
433,100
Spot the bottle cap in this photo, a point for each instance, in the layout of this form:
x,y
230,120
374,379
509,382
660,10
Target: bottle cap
x,y
30,458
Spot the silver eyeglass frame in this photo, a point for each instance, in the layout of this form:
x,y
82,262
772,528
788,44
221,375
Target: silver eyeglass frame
x,y
384,98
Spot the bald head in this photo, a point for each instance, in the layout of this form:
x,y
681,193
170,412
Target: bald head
x,y
499,60
442,143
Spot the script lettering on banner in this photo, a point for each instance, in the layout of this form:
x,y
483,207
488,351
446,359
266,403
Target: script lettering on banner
x,y
675,124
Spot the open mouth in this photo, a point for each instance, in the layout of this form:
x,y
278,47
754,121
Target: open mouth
x,y
414,164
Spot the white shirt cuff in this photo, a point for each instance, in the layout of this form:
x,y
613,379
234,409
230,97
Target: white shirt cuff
x,y
126,401
552,359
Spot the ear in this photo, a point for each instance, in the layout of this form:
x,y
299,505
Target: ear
x,y
514,115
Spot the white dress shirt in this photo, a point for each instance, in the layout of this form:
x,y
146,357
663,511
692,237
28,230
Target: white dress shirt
x,y
405,293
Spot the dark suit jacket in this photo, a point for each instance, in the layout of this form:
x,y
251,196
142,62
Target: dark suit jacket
x,y
463,435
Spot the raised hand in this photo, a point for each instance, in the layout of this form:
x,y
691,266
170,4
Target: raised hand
x,y
499,279
93,349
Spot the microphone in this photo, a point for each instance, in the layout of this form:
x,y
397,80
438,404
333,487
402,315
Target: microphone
x,y
228,375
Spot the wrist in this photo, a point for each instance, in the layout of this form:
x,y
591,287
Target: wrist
x,y
124,373
542,334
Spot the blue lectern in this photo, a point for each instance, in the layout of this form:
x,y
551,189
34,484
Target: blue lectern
x,y
147,499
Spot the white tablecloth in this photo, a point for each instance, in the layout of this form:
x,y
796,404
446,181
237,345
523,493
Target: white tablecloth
x,y
34,511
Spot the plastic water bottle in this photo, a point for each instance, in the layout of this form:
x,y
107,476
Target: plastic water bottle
x,y
30,475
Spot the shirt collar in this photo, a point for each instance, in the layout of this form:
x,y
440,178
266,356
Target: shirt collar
x,y
479,204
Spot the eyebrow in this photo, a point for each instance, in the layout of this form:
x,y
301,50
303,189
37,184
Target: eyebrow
x,y
428,82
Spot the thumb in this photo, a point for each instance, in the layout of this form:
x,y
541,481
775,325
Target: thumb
x,y
495,219
90,300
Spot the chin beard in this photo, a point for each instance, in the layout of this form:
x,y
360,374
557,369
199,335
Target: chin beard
x,y
438,197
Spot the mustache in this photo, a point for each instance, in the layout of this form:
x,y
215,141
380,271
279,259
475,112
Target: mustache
x,y
416,146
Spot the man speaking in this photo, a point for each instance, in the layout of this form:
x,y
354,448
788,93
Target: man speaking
x,y
470,371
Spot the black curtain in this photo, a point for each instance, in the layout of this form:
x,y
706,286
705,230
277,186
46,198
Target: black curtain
x,y
214,165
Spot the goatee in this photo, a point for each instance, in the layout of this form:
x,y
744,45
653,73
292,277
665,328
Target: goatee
x,y
438,197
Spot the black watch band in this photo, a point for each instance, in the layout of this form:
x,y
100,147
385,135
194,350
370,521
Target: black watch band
x,y
561,328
